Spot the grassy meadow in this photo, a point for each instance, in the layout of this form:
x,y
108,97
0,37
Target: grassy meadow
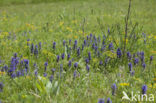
x,y
72,51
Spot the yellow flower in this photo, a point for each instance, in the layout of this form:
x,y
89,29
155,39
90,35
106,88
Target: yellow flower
x,y
1,36
95,60
74,22
80,31
45,51
1,73
152,86
154,37
110,39
110,54
69,29
61,23
28,77
75,37
124,84
153,52
25,47
50,54
5,33
23,96
25,57
125,40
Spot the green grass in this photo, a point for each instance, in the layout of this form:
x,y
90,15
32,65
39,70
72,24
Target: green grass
x,y
48,21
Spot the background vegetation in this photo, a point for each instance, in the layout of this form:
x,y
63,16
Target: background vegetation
x,y
49,21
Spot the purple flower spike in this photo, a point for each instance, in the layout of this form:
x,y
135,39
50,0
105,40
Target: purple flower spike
x,y
76,65
109,100
89,55
1,86
101,100
144,89
114,89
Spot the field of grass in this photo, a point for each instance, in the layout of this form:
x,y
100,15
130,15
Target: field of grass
x,y
34,34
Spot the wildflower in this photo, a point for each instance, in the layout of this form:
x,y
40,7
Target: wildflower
x,y
99,40
119,53
130,66
87,68
144,65
144,89
76,65
96,48
144,35
69,42
51,78
13,75
134,55
142,56
136,61
19,73
64,42
28,42
44,74
53,70
78,51
109,100
32,48
110,47
98,53
113,89
15,55
22,72
63,56
108,31
91,35
100,62
85,42
87,37
58,58
132,73
93,46
129,55
36,50
75,44
103,47
151,59
61,68
75,74
69,63
124,84
103,42
45,64
26,61
101,100
89,55
54,45
5,67
68,56
1,86
36,73
1,73
40,45
95,38
87,60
